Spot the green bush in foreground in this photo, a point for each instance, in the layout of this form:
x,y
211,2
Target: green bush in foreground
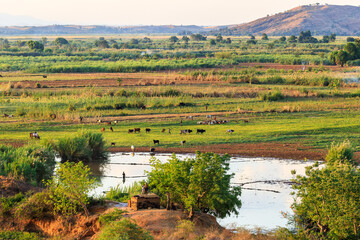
x,y
86,146
10,235
122,194
69,188
124,229
32,164
327,203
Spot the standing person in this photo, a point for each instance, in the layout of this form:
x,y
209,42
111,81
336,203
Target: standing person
x,y
146,188
205,107
123,177
181,122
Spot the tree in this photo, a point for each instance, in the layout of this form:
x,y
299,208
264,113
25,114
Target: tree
x,y
186,39
332,37
228,40
173,39
350,39
352,50
4,43
327,203
292,39
305,37
252,37
197,37
44,40
326,39
146,40
199,184
61,41
219,38
212,42
102,43
264,37
341,58
35,45
282,39
69,188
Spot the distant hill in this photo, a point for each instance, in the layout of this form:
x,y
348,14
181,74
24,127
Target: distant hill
x,y
319,19
97,29
17,20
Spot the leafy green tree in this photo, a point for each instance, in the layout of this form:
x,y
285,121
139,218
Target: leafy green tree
x,y
352,50
327,203
350,39
102,43
44,40
212,42
219,38
35,45
61,41
228,40
326,39
306,37
186,39
146,40
173,39
282,39
197,37
341,58
134,41
264,37
252,37
332,37
69,188
199,184
292,39
4,43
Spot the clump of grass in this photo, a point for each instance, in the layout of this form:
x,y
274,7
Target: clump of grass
x,y
341,153
122,194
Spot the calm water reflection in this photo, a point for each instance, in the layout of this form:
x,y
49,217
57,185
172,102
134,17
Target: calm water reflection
x,y
264,193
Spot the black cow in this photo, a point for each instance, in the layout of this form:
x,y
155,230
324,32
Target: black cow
x,y
147,130
200,131
156,142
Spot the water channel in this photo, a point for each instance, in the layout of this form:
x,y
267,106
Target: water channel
x,y
265,183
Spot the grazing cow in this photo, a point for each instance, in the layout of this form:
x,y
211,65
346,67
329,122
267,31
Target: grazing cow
x,y
108,123
183,142
152,149
80,119
44,76
143,107
34,135
156,142
182,104
200,131
137,130
112,144
163,130
99,121
183,131
230,131
188,130
133,148
130,130
6,115
1,76
189,117
147,130
11,116
111,129
115,122
246,121
102,129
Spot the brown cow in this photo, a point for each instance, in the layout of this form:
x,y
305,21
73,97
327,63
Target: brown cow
x,y
102,129
34,135
137,130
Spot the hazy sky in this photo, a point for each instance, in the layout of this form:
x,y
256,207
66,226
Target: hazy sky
x,y
153,12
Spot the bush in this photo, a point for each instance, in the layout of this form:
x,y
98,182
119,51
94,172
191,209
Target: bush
x,y
69,188
13,235
31,164
341,153
86,146
124,229
272,96
112,216
36,206
8,203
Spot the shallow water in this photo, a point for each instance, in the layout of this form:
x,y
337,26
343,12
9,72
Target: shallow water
x,y
264,196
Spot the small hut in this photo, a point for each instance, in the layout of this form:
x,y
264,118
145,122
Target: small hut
x,y
144,201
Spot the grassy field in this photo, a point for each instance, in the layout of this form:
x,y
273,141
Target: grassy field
x,y
283,92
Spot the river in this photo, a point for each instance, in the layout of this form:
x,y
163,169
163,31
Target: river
x,y
265,183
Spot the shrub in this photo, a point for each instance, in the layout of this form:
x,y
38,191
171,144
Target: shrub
x,y
112,216
31,164
7,203
340,153
69,188
36,206
13,235
86,146
123,230
272,96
